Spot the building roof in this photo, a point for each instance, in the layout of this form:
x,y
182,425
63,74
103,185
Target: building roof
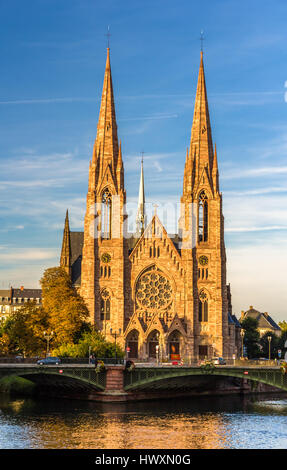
x,y
77,242
19,293
264,319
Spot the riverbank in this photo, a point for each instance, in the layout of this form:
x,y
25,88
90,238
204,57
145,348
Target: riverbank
x,y
17,386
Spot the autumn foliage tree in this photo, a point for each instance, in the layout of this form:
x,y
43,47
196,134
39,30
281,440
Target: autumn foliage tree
x,y
63,313
23,331
66,310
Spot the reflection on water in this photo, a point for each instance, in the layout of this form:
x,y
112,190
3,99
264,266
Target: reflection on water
x,y
194,423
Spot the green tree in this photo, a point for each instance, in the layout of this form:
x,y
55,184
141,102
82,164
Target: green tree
x,y
281,343
66,310
22,332
93,342
283,325
251,337
274,345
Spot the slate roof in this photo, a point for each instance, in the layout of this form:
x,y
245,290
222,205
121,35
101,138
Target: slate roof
x,y
264,319
77,242
19,293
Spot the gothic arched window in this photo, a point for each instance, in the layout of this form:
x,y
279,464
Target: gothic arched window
x,y
203,307
106,214
105,305
202,217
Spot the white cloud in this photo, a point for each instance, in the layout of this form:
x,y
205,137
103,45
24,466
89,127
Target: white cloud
x,y
30,254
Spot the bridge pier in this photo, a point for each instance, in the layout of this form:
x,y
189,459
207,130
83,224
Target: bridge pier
x,y
114,391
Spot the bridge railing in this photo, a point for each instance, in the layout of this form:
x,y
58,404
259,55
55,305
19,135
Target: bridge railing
x,y
192,362
64,360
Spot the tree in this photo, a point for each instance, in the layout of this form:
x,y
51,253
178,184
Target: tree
x,y
281,343
274,345
91,342
251,337
66,309
23,331
283,325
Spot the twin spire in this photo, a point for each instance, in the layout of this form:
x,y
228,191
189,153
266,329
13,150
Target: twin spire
x,y
200,155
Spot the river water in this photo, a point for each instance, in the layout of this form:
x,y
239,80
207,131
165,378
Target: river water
x,y
227,422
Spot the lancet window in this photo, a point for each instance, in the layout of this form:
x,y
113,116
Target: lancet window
x,y
203,307
106,222
105,305
202,217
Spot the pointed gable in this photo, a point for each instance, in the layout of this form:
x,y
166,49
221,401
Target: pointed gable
x,y
135,323
156,323
177,324
153,236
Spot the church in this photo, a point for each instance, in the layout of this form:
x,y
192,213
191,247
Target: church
x,y
165,296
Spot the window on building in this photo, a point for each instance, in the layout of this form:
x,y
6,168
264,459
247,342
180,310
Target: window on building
x,y
105,305
202,217
106,222
203,307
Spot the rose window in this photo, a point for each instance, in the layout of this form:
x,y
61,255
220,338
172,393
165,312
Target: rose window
x,y
153,290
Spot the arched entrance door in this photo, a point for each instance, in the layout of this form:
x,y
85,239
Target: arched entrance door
x,y
152,343
174,345
133,343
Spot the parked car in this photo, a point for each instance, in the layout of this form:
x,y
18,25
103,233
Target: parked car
x,y
19,358
49,361
218,361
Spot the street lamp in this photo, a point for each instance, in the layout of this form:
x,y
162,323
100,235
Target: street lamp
x,y
115,336
269,341
242,337
48,337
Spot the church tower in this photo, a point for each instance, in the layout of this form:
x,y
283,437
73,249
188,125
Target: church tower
x,y
162,293
202,234
104,249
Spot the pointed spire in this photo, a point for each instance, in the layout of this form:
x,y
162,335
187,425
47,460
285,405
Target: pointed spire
x,y
106,144
201,139
215,173
141,216
215,163
65,261
120,169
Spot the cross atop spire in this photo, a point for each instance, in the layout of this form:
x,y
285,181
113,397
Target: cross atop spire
x,y
201,40
108,37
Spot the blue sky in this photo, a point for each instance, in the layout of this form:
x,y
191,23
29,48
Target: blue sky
x,y
53,56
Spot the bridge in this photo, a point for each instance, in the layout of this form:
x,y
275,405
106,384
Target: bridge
x,y
67,377
144,381
177,377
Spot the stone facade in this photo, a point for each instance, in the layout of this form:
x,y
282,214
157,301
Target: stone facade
x,y
165,295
